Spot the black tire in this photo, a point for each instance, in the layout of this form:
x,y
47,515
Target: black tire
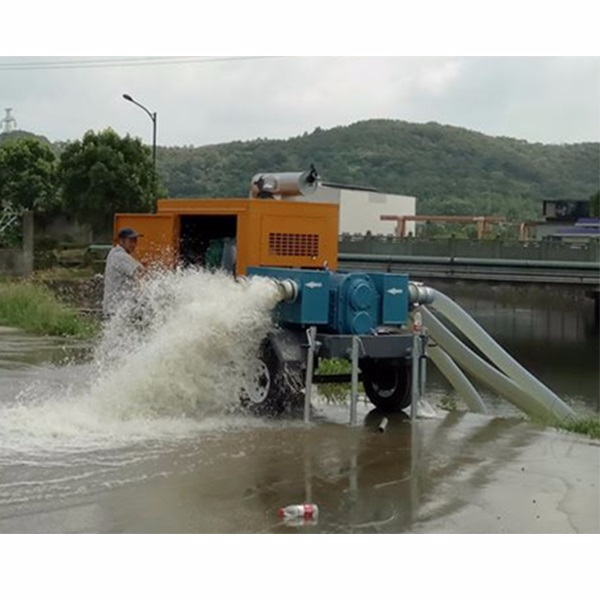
x,y
271,386
387,383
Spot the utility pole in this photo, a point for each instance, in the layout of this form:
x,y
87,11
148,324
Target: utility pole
x,y
153,117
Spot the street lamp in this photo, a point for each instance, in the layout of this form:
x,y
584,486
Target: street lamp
x,y
152,116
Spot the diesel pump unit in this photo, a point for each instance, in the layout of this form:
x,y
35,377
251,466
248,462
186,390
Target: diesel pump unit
x,y
281,233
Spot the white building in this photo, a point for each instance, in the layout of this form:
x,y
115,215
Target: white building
x,y
361,208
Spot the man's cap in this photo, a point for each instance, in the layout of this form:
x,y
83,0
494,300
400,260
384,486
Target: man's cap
x,y
128,233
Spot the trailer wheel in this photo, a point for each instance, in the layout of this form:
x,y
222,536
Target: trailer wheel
x,y
387,383
271,386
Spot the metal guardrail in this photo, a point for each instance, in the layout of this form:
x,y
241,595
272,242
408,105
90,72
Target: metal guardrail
x,y
575,273
553,250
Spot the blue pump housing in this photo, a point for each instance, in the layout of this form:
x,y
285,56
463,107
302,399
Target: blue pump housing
x,y
353,304
342,303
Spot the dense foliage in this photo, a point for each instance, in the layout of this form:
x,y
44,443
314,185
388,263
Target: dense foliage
x,y
103,174
28,175
449,169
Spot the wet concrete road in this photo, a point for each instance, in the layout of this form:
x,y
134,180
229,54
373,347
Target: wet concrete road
x,y
453,474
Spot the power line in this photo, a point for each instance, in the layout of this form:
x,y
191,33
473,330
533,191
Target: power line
x,y
147,61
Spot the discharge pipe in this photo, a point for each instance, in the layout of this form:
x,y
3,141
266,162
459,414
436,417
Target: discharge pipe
x,y
288,289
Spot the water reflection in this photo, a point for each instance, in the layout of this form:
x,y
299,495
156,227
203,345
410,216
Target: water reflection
x,y
20,350
462,473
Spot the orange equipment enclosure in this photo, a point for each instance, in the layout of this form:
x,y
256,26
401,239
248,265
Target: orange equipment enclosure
x,y
267,233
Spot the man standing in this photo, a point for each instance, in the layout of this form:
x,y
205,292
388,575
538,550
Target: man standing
x,y
121,273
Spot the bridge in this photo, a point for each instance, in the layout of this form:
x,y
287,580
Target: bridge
x,y
530,272
571,268
534,263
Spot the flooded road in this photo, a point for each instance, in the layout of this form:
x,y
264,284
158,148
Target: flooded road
x,y
461,474
79,461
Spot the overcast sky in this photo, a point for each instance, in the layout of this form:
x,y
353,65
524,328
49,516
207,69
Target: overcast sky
x,y
200,100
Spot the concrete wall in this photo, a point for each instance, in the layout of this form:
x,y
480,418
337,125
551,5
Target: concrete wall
x,y
19,262
63,229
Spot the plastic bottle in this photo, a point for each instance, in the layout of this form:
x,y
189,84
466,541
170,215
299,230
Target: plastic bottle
x,y
294,511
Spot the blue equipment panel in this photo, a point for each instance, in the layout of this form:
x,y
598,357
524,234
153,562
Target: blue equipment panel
x,y
393,290
312,305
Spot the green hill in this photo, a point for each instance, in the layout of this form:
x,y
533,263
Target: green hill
x,y
449,169
18,134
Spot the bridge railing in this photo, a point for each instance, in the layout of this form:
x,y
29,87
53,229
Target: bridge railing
x,y
548,250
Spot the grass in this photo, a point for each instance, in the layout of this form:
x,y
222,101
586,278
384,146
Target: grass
x,y
335,392
35,309
63,273
589,426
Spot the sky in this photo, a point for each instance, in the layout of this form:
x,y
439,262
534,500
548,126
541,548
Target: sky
x,y
217,72
203,100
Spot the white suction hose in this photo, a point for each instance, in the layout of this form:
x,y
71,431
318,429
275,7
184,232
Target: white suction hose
x,y
457,379
525,398
495,353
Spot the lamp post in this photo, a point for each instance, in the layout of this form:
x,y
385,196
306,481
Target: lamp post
x,y
152,116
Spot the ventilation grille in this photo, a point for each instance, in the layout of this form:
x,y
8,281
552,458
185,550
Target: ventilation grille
x,y
293,244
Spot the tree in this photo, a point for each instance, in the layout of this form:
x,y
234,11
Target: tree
x,y
28,175
103,174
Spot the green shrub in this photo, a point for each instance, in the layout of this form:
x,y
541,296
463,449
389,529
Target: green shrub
x,y
36,310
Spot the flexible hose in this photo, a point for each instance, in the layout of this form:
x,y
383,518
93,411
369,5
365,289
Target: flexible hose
x,y
457,379
525,399
495,353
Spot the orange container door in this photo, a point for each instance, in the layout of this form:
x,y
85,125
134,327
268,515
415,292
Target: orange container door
x,y
159,243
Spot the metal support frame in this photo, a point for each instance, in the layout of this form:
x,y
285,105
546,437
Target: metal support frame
x,y
311,333
354,393
418,357
419,362
415,378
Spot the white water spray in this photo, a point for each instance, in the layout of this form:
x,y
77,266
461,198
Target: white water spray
x,y
178,365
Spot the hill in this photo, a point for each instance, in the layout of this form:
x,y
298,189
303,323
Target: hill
x,y
20,134
449,169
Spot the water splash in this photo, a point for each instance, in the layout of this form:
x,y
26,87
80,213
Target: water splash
x,y
173,367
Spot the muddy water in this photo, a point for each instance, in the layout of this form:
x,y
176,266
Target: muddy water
x,y
114,440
